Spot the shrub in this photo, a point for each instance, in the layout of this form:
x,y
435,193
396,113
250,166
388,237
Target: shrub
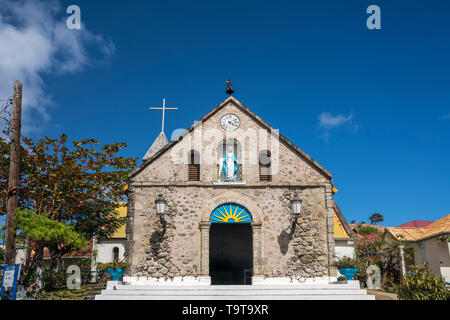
x,y
363,230
345,262
113,265
52,280
361,275
422,284
341,278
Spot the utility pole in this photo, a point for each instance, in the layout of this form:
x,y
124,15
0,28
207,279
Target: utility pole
x,y
14,156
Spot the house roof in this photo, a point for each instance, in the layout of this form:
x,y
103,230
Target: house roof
x,y
244,109
415,224
371,237
441,226
342,229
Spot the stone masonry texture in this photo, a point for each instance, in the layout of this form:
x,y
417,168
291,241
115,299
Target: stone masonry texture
x,y
284,251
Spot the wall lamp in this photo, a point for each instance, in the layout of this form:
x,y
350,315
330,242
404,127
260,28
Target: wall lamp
x,y
296,208
160,204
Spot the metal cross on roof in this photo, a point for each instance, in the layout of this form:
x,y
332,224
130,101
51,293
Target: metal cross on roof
x,y
163,112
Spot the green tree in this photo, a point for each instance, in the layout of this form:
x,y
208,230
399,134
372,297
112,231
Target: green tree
x,y
79,184
376,218
43,232
2,241
24,165
386,253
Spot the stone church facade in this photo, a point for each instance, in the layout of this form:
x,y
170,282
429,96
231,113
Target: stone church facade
x,y
187,176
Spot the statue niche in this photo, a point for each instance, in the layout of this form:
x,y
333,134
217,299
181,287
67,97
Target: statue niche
x,y
229,166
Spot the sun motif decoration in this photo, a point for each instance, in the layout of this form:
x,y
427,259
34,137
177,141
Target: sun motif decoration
x,y
230,213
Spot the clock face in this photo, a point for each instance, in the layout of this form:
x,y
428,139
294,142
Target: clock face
x,y
230,122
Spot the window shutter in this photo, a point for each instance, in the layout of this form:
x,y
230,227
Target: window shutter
x,y
194,172
265,174
194,167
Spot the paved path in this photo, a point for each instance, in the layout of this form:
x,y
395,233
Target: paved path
x,y
381,295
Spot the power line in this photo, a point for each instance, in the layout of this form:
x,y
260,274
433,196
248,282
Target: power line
x,y
6,116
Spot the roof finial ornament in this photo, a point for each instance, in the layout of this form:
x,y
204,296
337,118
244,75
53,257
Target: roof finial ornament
x,y
230,90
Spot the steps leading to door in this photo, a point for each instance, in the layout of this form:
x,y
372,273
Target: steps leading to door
x,y
331,291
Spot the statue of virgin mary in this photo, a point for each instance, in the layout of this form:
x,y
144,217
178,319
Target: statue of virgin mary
x,y
230,166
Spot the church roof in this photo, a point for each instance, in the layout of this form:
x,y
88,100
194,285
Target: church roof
x,y
243,108
157,145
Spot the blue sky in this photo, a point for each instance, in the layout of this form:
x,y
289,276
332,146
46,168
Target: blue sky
x,y
371,106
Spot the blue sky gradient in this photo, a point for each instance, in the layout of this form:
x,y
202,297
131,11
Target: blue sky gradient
x,y
290,62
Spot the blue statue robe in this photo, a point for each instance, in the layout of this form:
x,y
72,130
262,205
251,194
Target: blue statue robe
x,y
225,167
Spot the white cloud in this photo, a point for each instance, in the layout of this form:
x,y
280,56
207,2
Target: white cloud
x,y
34,41
328,122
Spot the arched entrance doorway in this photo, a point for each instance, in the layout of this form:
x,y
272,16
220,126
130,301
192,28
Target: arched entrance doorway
x,y
231,245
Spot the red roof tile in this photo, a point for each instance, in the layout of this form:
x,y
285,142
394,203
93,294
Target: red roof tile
x,y
371,237
415,224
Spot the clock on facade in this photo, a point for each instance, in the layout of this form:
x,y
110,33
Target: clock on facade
x,y
230,122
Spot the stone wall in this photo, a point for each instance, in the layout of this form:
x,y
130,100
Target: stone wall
x,y
299,252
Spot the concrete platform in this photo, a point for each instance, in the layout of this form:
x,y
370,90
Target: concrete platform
x,y
331,291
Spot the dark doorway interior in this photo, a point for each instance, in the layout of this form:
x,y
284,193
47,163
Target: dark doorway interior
x,y
231,254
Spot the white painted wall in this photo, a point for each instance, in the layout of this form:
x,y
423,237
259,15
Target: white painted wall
x,y
105,250
20,256
444,257
437,254
344,248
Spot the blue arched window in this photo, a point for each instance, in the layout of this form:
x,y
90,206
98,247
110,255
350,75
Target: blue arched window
x,y
230,213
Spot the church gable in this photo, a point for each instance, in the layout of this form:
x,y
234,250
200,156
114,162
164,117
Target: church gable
x,y
231,133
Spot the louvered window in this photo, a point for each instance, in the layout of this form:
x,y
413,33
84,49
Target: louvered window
x,y
194,166
265,170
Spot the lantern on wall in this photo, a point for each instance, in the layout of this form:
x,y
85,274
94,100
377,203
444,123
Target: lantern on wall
x,y
296,207
160,204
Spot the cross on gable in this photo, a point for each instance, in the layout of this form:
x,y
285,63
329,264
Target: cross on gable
x,y
163,112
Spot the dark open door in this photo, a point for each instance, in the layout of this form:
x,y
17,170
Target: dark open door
x,y
231,254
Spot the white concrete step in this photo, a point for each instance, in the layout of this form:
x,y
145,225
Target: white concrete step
x,y
229,292
330,291
228,297
234,287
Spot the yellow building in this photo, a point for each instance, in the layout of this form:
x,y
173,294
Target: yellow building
x,y
343,241
114,247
